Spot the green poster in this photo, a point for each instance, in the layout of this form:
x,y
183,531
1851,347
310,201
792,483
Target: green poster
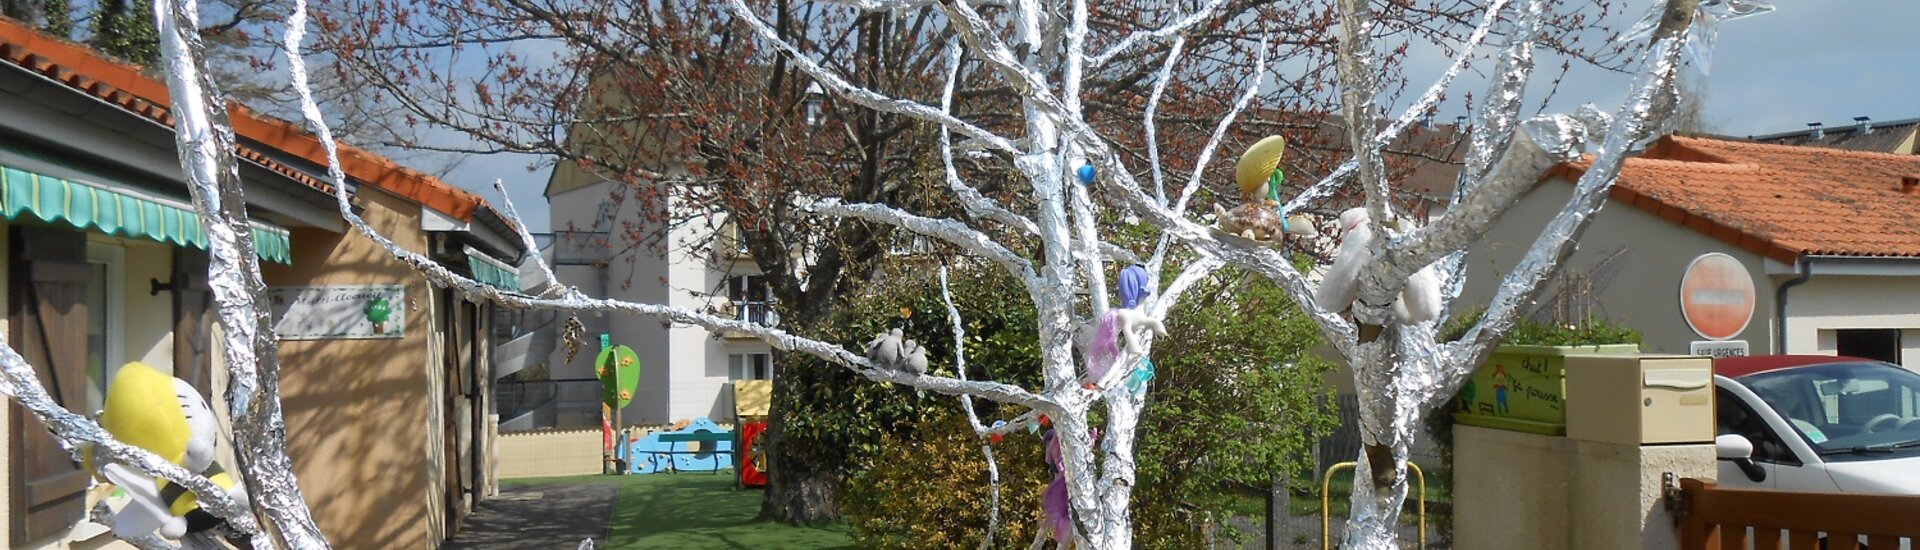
x,y
619,372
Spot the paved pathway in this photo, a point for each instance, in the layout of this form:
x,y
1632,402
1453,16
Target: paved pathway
x,y
541,517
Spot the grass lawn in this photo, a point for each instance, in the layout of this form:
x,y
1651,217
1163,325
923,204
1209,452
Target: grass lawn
x,y
696,511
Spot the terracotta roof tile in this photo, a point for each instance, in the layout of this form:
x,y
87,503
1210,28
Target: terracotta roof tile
x,y
85,70
1779,201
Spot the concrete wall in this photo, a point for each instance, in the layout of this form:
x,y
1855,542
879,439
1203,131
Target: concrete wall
x,y
549,453
1523,490
1510,489
359,412
1645,292
1618,487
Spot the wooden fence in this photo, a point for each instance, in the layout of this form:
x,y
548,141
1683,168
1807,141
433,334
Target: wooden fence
x,y
1716,518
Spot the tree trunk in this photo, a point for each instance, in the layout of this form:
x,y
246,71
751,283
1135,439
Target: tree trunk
x,y
803,477
1379,493
1389,416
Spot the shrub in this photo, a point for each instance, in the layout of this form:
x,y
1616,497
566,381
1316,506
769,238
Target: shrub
x,y
931,491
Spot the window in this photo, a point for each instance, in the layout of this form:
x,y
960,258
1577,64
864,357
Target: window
x,y
750,366
1734,417
1879,344
750,300
104,336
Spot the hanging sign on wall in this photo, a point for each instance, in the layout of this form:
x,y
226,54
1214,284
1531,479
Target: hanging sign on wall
x,y
338,312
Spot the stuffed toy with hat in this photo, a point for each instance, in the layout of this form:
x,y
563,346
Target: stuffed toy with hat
x,y
165,416
1260,216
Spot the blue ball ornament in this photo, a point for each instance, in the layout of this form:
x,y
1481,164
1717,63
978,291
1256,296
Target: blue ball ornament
x,y
1086,174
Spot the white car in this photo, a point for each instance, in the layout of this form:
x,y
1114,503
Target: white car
x,y
1818,423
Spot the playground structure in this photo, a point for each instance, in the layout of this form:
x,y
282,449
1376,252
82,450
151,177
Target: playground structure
x,y
752,399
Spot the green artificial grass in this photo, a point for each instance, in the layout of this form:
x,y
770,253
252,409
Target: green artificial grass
x,y
697,511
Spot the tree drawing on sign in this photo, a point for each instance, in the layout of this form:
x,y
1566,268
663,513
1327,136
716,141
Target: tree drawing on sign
x,y
378,310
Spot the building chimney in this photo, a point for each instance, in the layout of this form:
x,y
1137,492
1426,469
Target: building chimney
x,y
1864,124
1426,121
1459,122
1819,132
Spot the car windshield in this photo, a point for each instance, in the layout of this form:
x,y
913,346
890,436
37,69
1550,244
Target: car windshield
x,y
1845,407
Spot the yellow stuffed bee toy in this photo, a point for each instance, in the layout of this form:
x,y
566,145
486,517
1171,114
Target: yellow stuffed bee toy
x,y
164,415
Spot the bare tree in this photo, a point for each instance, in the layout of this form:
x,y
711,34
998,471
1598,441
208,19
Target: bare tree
x,y
1043,52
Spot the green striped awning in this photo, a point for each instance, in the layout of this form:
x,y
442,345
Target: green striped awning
x,y
494,273
119,212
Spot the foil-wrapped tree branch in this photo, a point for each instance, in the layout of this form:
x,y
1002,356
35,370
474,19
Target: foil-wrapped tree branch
x,y
1401,370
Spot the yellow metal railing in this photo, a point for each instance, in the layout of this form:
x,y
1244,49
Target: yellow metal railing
x,y
1326,508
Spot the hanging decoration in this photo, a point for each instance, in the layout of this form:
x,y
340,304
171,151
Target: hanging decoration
x,y
1261,216
892,350
1419,301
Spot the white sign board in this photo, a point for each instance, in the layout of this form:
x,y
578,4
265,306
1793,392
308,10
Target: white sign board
x,y
338,312
1722,348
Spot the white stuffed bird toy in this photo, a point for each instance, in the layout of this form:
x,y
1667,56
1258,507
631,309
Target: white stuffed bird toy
x,y
893,350
1419,301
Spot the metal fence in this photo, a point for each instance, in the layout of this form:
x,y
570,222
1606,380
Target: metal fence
x,y
1280,528
526,405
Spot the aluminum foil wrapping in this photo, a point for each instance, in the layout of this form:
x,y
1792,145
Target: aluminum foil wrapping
x,y
973,418
1642,112
1704,32
1402,374
1492,128
1421,107
1541,143
19,382
205,139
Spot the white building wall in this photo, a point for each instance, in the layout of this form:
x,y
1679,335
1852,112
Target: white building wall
x,y
1826,303
1645,292
684,371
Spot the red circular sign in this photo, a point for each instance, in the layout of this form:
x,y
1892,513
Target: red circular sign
x,y
1716,296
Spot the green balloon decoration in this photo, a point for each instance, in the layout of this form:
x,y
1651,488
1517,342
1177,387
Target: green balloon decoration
x,y
619,372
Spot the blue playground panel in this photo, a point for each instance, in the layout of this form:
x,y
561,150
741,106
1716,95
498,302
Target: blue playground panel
x,y
651,455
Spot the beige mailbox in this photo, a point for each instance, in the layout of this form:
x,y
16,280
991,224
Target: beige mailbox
x,y
1640,399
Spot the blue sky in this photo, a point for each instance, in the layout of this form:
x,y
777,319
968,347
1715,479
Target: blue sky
x,y
1809,60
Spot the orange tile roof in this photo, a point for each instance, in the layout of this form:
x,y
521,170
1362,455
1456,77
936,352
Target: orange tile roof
x,y
83,69
1776,200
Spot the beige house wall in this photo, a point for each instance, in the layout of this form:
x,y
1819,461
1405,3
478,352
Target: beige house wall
x,y
1645,292
361,413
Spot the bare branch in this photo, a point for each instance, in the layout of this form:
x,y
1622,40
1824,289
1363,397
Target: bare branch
x,y
1172,29
865,97
950,231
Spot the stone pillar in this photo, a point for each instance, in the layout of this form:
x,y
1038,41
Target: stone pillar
x,y
1510,489
1617,492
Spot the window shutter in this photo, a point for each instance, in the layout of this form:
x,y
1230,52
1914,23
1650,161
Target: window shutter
x,y
192,320
48,321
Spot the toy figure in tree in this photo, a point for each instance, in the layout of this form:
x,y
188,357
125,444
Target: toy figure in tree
x,y
1260,216
166,416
